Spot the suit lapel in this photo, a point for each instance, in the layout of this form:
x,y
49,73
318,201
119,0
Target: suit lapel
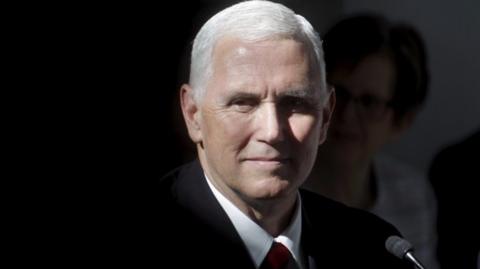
x,y
195,195
310,250
316,239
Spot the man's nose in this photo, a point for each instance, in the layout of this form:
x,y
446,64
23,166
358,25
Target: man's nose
x,y
271,124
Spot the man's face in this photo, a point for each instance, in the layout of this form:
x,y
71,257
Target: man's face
x,y
261,118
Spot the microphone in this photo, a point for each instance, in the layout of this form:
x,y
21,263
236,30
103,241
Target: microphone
x,y
402,249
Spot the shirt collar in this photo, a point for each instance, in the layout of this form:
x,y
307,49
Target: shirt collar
x,y
255,238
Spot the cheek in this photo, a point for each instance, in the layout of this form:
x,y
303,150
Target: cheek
x,y
305,128
227,132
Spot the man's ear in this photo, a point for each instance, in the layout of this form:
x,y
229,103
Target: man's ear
x,y
326,115
191,113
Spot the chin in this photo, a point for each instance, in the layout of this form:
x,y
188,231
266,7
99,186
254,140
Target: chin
x,y
272,188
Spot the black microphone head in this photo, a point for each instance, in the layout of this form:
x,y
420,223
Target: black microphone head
x,y
397,246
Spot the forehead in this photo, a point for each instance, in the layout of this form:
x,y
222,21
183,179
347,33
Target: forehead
x,y
276,64
234,48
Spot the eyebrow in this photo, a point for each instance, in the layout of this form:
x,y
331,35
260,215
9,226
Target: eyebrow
x,y
240,95
301,92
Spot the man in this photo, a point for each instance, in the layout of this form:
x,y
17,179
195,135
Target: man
x,y
257,107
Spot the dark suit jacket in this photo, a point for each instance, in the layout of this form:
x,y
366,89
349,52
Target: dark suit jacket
x,y
196,232
455,177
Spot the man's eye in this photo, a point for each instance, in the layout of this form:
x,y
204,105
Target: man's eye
x,y
296,104
243,105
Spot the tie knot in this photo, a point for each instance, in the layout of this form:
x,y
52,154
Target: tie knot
x,y
277,257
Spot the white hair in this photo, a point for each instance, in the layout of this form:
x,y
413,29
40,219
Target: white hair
x,y
250,21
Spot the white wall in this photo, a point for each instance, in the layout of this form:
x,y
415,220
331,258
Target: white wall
x,y
451,30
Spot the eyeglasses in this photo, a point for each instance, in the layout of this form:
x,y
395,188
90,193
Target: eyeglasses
x,y
368,106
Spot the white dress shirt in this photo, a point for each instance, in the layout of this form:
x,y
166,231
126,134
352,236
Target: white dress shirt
x,y
256,239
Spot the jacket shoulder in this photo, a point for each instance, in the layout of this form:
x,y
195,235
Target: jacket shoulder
x,y
319,206
348,232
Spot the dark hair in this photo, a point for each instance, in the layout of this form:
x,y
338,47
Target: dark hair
x,y
354,38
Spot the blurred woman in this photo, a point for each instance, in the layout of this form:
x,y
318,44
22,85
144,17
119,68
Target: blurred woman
x,y
379,73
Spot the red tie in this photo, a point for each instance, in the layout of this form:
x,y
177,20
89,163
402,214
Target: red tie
x,y
277,257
